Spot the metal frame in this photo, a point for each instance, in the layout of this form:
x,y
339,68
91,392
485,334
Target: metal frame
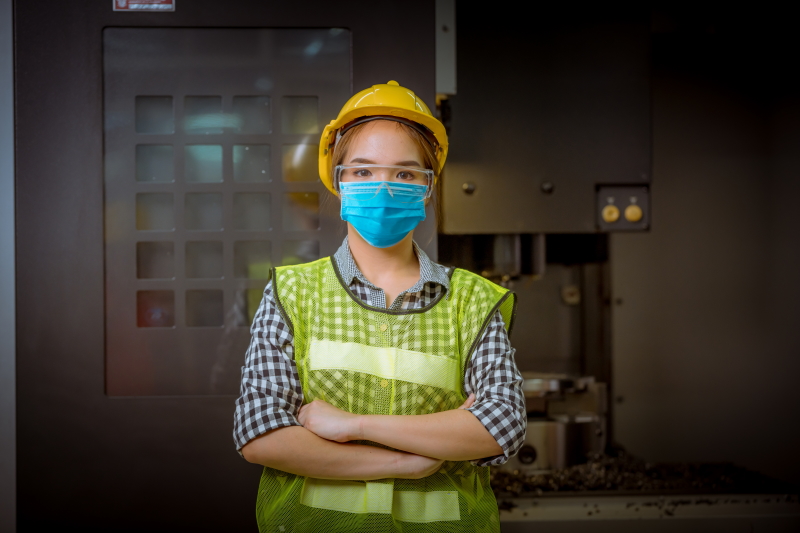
x,y
446,76
8,349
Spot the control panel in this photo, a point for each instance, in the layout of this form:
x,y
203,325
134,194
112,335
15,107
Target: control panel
x,y
623,208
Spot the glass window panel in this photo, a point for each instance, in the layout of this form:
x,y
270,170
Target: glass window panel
x,y
155,211
203,163
251,211
246,305
301,211
252,259
204,308
204,259
155,260
267,62
155,309
203,211
241,310
251,114
296,252
202,114
154,114
300,162
154,163
251,163
300,114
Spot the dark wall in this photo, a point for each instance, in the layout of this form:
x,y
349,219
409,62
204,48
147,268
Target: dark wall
x,y
706,344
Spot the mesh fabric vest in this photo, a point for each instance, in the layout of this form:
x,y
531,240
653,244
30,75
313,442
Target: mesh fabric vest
x,y
367,360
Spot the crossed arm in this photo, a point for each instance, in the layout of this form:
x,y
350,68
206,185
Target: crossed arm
x,y
321,447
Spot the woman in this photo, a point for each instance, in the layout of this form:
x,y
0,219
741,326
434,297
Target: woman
x,y
378,385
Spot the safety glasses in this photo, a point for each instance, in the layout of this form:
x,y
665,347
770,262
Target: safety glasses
x,y
387,173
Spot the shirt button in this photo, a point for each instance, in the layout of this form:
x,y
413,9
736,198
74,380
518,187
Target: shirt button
x,y
384,383
384,327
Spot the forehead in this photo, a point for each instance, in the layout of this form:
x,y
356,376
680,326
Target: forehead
x,y
383,137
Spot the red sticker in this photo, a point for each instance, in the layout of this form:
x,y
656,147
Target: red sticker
x,y
144,5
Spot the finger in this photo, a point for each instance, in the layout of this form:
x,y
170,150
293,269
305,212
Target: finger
x,y
469,401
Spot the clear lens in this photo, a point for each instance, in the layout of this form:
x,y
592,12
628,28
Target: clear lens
x,y
393,174
416,176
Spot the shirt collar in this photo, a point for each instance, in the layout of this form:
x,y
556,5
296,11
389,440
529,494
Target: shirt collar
x,y
429,272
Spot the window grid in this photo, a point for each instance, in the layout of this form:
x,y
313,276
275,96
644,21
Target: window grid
x,y
180,136
222,213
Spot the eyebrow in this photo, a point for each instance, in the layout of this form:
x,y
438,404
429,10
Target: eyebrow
x,y
363,161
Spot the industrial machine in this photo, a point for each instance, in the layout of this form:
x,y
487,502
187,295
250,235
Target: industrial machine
x,y
566,422
165,159
551,154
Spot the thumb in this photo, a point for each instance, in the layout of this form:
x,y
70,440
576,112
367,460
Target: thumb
x,y
469,401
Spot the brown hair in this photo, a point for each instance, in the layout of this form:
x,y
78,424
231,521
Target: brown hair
x,y
343,146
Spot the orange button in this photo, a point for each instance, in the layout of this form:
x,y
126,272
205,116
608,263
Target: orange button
x,y
610,213
633,213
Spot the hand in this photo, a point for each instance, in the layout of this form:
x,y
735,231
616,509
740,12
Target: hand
x,y
411,466
329,422
468,402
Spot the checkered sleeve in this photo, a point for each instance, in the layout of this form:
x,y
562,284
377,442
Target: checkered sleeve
x,y
270,393
496,382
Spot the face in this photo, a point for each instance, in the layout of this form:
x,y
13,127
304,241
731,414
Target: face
x,y
382,142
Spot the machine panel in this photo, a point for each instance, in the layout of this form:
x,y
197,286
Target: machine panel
x,y
210,180
565,108
91,457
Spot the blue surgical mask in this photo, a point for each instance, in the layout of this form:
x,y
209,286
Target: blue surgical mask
x,y
383,213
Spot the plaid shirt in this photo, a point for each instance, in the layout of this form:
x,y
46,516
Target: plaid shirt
x,y
271,395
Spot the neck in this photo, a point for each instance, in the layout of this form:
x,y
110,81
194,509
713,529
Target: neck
x,y
381,264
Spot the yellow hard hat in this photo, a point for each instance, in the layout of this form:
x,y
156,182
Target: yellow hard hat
x,y
388,100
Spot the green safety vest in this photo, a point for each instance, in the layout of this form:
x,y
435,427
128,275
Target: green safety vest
x,y
367,360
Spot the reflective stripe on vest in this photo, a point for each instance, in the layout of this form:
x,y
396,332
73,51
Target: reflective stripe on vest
x,y
385,362
365,497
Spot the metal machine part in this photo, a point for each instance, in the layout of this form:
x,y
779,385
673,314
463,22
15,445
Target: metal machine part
x,y
677,513
539,384
8,402
584,119
566,421
559,442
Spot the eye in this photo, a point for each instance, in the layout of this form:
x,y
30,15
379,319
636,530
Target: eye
x,y
405,175
362,173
